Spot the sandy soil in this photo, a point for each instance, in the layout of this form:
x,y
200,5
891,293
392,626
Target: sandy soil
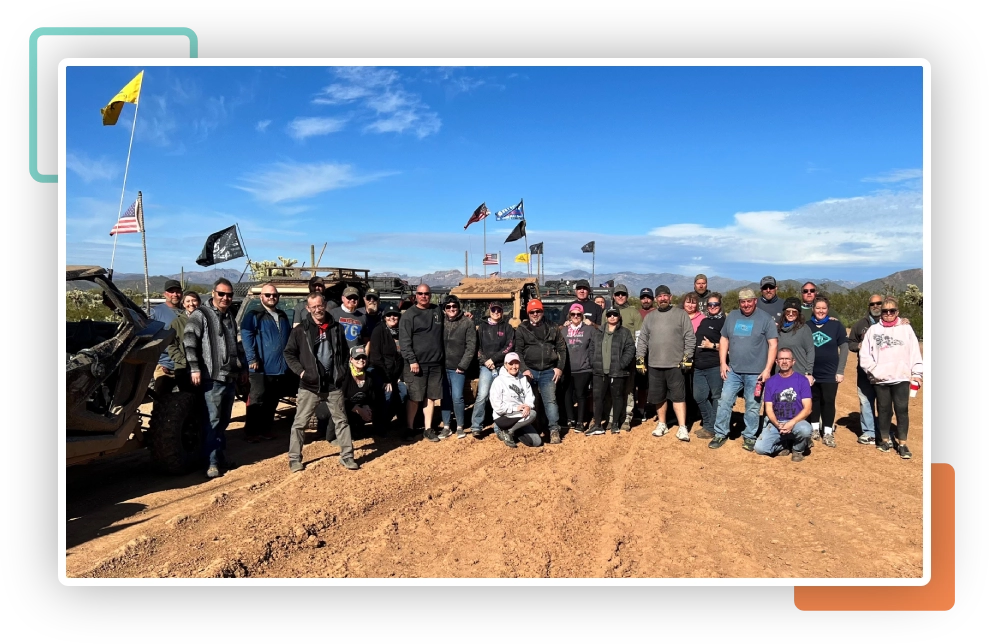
x,y
605,506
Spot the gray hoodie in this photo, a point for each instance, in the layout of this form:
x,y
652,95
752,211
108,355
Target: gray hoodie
x,y
578,340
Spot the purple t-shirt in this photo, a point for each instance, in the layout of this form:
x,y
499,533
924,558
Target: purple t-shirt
x,y
787,395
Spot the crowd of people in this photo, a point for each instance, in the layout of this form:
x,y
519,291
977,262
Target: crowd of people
x,y
359,365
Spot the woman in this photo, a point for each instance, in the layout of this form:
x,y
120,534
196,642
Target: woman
x,y
890,356
707,382
578,334
190,302
495,340
613,352
830,355
386,367
459,346
691,305
796,336
358,393
512,405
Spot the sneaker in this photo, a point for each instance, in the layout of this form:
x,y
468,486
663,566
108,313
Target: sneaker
x,y
431,436
815,434
797,457
683,434
554,436
594,430
717,442
867,440
461,433
829,439
350,463
296,466
213,472
444,433
627,425
748,444
410,435
579,429
508,439
616,430
476,433
571,425
661,430
884,447
784,452
903,451
703,433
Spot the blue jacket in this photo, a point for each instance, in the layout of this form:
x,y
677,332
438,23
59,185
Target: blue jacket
x,y
264,342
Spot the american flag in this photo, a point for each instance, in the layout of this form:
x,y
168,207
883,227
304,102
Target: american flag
x,y
490,259
130,222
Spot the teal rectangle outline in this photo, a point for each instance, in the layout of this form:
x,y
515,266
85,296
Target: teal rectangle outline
x,y
80,31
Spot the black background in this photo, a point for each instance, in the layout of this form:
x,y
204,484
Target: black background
x,y
740,608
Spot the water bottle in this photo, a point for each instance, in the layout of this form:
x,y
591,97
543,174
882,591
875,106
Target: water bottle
x,y
914,387
758,388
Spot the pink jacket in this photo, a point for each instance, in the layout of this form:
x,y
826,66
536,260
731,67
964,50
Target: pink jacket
x,y
891,354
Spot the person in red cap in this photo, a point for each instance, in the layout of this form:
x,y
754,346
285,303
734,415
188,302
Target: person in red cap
x,y
543,353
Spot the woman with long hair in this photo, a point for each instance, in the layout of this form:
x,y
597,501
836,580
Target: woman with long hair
x,y
707,383
830,355
890,356
795,335
578,335
691,304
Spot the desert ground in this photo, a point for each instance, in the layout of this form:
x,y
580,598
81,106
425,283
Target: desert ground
x,y
627,505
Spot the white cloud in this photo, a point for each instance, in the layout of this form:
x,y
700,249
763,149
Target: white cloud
x,y
262,125
422,125
91,169
302,128
336,94
289,181
896,176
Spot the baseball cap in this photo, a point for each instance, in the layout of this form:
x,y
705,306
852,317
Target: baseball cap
x,y
646,292
576,307
350,290
512,357
663,288
371,293
746,294
583,284
621,288
390,309
172,284
358,352
769,279
534,305
611,310
316,279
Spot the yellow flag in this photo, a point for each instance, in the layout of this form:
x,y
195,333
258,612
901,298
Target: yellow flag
x,y
129,94
522,258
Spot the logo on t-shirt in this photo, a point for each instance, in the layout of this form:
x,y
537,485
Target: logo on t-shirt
x,y
351,328
821,338
743,328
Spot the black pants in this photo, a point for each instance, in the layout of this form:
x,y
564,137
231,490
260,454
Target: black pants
x,y
266,391
823,395
892,399
579,387
616,387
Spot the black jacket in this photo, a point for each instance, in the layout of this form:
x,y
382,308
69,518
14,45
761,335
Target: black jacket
x,y
622,352
709,328
385,356
420,335
542,347
459,341
495,341
300,355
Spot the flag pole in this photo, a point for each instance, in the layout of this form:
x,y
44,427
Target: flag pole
x,y
144,245
120,208
593,258
485,254
247,255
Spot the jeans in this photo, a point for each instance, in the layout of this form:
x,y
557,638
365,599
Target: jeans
x,y
453,397
219,404
867,405
771,442
707,394
484,380
732,385
547,390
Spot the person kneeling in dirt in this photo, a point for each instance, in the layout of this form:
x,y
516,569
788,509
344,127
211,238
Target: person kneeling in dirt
x,y
512,401
359,396
788,404
317,352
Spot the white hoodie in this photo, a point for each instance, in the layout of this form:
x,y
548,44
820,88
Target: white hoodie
x,y
508,392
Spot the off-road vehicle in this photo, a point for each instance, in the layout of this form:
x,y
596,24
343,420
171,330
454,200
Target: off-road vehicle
x,y
477,293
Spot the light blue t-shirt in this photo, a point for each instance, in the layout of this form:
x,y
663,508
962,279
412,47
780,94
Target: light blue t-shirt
x,y
748,340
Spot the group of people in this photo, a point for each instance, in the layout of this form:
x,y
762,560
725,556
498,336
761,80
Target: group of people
x,y
355,366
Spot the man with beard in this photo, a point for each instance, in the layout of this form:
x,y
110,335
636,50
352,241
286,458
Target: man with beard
x,y
543,352
351,318
700,287
166,312
371,311
769,302
788,404
592,310
866,390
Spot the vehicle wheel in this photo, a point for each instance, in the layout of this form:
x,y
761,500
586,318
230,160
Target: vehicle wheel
x,y
176,432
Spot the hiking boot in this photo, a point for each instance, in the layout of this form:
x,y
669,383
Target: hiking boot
x,y
902,450
296,466
748,444
703,433
430,436
213,472
828,439
508,439
476,433
444,433
461,433
884,447
627,425
797,457
661,430
784,452
554,436
594,430
717,441
815,434
683,434
349,463
867,440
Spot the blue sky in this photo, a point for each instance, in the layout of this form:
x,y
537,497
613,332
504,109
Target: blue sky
x,y
733,171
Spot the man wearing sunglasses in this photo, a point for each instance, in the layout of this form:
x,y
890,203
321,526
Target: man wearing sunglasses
x,y
769,302
264,333
420,338
216,359
866,391
352,319
631,320
808,293
543,352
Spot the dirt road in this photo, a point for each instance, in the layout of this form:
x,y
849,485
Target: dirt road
x,y
604,506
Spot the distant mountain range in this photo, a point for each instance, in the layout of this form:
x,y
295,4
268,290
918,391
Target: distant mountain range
x,y
634,281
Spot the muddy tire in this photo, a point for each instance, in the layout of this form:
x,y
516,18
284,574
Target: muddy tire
x,y
176,432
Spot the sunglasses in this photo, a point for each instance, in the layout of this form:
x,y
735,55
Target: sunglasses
x,y
889,311
713,305
360,358
451,307
613,315
426,293
810,290
873,304
575,314
621,294
269,295
534,311
496,309
351,297
768,288
224,293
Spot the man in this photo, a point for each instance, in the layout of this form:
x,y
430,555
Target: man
x,y
752,338
352,319
700,287
371,311
316,285
667,336
807,294
216,359
166,313
631,320
645,302
592,310
543,351
264,333
866,391
788,404
641,379
420,337
317,352
769,302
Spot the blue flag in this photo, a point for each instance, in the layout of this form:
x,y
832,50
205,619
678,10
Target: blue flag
x,y
514,212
